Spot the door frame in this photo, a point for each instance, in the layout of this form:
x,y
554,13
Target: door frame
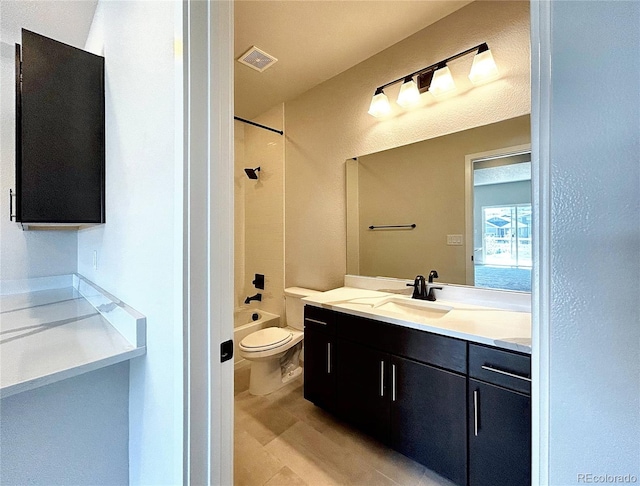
x,y
468,199
207,52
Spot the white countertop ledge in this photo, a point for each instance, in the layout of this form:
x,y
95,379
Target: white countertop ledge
x,y
54,328
503,328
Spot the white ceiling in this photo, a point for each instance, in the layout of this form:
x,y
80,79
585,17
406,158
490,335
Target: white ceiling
x,y
314,40
66,21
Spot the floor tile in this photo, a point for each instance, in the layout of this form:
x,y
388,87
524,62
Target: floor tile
x,y
253,465
286,477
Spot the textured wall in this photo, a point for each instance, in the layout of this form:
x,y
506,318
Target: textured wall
x,y
140,248
329,124
594,327
74,431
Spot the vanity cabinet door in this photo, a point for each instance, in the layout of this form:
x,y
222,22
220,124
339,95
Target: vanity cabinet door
x,y
499,436
428,417
319,368
363,388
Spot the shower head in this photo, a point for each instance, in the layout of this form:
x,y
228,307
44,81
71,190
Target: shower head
x,y
252,173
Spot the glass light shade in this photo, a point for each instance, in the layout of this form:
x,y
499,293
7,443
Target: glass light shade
x,y
484,68
409,95
442,82
380,105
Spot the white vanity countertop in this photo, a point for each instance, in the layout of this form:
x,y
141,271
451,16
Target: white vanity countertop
x,y
507,329
47,335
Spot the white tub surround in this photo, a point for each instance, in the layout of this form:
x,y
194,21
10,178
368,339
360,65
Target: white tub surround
x,y
58,327
460,312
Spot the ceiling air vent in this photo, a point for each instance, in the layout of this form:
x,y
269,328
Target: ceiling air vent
x,y
257,59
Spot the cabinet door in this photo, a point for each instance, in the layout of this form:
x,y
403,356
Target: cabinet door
x,y
319,368
60,163
499,436
363,388
428,417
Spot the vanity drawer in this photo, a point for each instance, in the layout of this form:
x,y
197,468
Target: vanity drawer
x,y
500,367
319,319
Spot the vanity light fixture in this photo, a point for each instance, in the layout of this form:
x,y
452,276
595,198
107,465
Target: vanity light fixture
x,y
436,79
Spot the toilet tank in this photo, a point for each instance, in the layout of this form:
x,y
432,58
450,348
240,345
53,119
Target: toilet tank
x,y
294,307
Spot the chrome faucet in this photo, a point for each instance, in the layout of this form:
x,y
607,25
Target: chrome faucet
x,y
429,289
419,288
257,297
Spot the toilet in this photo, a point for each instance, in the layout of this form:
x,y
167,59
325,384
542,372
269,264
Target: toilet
x,y
274,352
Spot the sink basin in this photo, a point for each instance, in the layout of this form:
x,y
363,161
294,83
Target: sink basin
x,y
413,308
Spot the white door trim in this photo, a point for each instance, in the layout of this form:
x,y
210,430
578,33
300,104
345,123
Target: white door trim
x,y
541,207
208,101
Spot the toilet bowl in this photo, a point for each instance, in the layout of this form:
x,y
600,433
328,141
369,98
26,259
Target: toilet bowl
x,y
274,351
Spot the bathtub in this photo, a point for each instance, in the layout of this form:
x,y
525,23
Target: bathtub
x,y
244,324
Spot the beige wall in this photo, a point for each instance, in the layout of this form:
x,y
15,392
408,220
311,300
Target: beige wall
x,y
259,211
330,124
423,183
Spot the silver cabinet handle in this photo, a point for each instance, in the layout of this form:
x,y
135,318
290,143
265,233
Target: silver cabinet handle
x,y
393,383
315,322
381,378
329,358
502,372
475,413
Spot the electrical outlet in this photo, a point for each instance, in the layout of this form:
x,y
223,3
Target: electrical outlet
x,y
454,240
95,259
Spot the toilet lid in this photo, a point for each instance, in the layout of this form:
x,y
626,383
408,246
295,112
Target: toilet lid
x,y
265,339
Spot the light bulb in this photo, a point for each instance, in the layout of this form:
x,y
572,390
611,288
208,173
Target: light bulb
x,y
483,68
409,95
380,105
442,82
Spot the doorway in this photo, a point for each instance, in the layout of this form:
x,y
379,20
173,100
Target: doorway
x,y
499,219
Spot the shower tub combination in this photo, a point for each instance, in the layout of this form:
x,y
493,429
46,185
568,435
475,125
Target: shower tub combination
x,y
246,321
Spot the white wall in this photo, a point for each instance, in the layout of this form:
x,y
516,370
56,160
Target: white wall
x,y
74,431
140,247
594,182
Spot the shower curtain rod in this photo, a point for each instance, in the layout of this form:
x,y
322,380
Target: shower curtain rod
x,y
258,125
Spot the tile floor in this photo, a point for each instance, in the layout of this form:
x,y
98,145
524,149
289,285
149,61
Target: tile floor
x,y
284,440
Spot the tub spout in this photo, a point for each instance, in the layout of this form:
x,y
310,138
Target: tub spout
x,y
257,297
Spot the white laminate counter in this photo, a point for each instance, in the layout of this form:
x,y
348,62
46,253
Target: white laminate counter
x,y
507,329
50,334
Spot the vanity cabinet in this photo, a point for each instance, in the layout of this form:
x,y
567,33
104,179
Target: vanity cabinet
x,y
461,409
499,417
319,357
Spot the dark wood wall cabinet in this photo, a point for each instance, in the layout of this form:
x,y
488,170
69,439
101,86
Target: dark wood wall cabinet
x,y
461,409
60,134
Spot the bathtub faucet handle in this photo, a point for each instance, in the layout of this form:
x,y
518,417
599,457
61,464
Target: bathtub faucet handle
x,y
257,297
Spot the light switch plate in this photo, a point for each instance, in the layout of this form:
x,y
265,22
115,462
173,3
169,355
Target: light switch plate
x,y
454,240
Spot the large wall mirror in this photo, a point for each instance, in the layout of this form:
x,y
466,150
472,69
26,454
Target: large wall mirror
x,y
459,204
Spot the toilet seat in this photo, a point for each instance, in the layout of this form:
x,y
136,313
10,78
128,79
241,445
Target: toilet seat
x,y
266,339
